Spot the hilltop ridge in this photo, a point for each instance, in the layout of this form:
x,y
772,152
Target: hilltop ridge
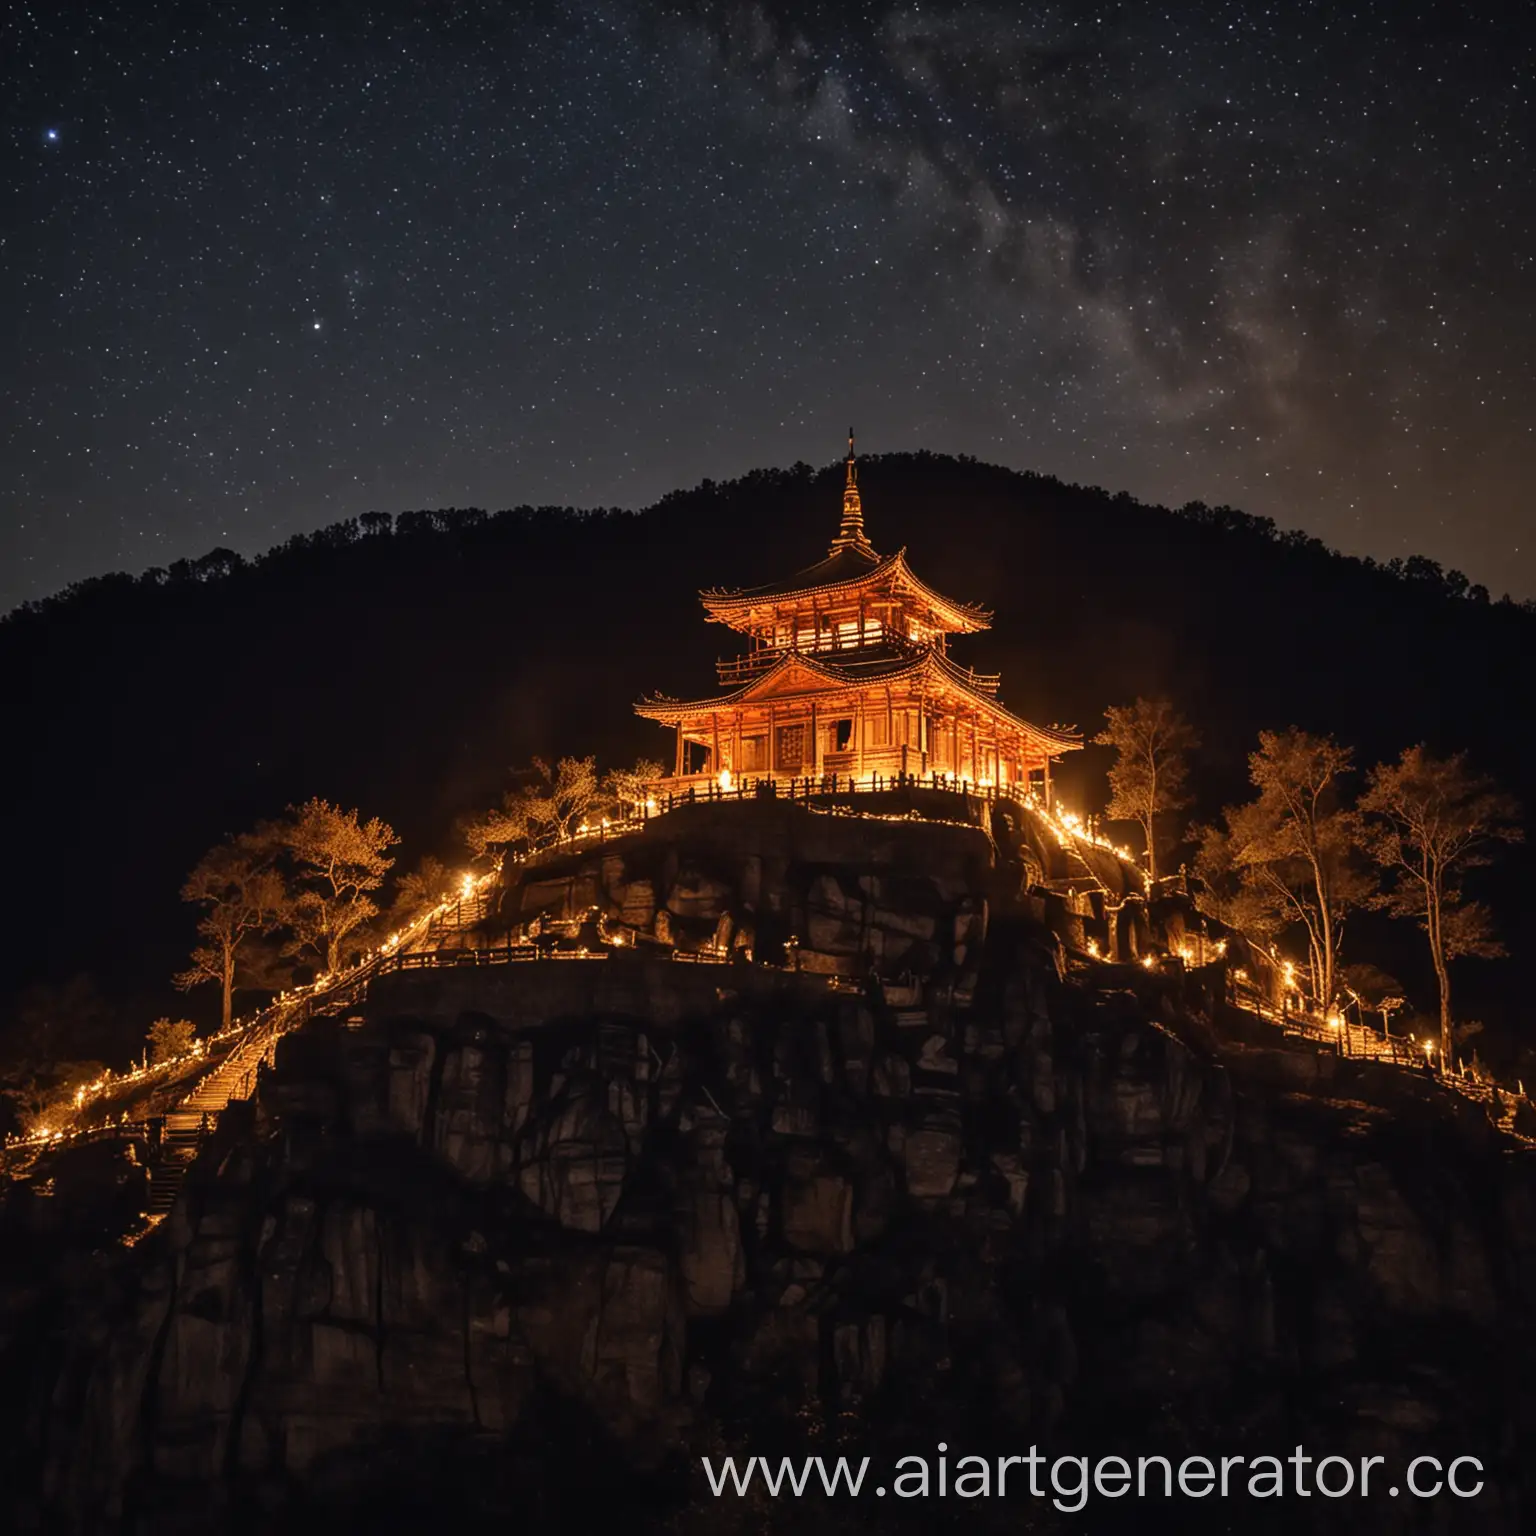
x,y
403,663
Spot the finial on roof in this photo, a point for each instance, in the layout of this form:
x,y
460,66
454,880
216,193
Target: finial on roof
x,y
850,535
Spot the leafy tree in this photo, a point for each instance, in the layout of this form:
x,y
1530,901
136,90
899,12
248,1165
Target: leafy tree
x,y
1230,895
169,1038
337,862
1296,845
1151,741
1432,819
626,788
545,806
243,896
421,889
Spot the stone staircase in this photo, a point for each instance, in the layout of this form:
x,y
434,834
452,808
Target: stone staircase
x,y
193,1116
465,913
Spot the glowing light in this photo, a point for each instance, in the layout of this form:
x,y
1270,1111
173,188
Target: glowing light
x,y
467,885
1150,961
1093,948
725,780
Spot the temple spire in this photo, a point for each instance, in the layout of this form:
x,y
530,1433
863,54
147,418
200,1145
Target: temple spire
x,y
850,535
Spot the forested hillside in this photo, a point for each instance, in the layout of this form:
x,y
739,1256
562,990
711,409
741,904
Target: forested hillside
x,y
403,664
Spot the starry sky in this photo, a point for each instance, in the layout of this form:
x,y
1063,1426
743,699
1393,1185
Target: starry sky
x,y
266,266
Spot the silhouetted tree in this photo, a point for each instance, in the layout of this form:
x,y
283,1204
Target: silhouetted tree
x,y
337,862
52,1043
1151,741
242,893
1298,845
1431,820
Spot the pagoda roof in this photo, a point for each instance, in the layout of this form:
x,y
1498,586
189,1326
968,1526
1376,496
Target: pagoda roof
x,y
799,673
844,572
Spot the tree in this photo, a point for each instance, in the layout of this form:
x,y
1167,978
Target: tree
x,y
169,1038
626,789
1151,740
1374,991
51,1043
1432,819
420,890
337,861
1229,893
1297,844
546,806
238,885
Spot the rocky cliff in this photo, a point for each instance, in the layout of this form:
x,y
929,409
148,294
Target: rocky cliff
x,y
519,1237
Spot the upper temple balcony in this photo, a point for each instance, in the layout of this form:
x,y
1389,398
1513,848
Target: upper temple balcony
x,y
863,658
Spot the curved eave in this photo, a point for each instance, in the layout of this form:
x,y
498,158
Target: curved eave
x,y
675,711
1050,740
669,711
961,618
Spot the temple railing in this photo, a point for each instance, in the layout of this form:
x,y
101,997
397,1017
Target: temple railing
x,y
677,790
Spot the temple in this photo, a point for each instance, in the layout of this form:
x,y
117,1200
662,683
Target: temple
x,y
849,674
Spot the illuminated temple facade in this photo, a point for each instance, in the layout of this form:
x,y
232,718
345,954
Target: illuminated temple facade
x,y
848,673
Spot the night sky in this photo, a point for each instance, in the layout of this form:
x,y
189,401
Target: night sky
x,y
264,267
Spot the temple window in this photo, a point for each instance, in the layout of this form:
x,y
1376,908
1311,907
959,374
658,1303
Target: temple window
x,y
754,754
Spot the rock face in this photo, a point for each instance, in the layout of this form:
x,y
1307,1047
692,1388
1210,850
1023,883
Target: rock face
x,y
643,1207
900,891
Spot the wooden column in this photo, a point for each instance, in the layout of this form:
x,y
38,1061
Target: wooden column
x,y
736,744
773,739
858,719
815,764
714,725
679,771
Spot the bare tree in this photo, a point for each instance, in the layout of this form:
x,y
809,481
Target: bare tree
x,y
338,861
1151,741
1297,844
243,896
1432,819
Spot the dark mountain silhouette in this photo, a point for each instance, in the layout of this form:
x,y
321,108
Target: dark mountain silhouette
x,y
403,664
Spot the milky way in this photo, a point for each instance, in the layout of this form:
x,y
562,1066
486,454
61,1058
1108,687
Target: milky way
x,y
265,267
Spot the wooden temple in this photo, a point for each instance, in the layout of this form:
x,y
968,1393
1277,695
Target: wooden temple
x,y
849,674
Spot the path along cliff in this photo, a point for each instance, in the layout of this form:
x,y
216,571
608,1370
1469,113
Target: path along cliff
x,y
510,1240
